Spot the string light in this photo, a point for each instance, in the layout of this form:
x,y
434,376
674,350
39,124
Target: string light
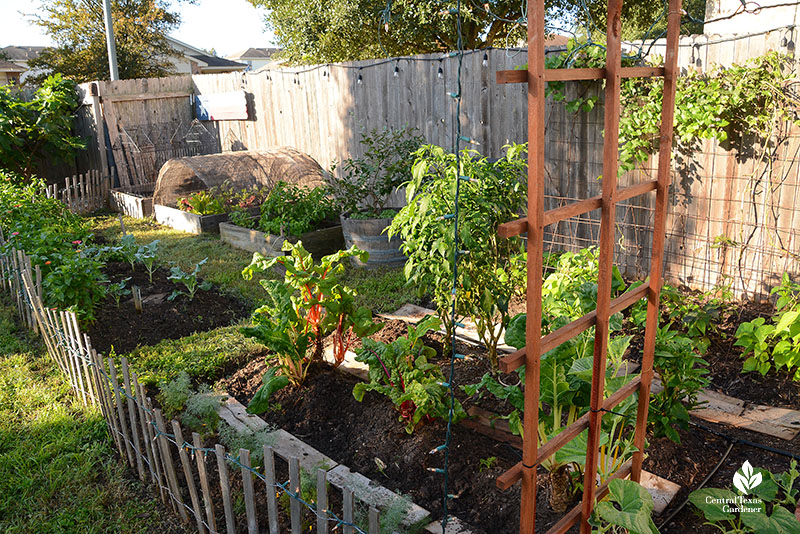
x,y
485,59
440,73
360,79
396,70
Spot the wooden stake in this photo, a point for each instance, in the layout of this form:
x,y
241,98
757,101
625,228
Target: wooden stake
x,y
249,493
225,487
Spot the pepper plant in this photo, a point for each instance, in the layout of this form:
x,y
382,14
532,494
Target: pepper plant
x,y
306,305
401,371
491,269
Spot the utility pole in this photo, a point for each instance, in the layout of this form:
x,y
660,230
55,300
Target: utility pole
x,y
112,49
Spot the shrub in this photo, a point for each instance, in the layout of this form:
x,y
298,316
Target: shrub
x,y
366,182
492,269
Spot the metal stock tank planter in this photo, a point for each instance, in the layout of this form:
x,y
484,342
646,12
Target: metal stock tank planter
x,y
370,235
318,242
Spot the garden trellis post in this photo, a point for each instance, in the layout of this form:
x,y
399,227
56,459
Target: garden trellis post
x,y
537,76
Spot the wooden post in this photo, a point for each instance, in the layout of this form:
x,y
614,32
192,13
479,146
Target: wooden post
x,y
140,410
322,502
161,472
225,487
659,231
249,493
126,380
172,478
374,521
189,476
294,495
200,457
272,499
123,424
111,419
82,357
347,512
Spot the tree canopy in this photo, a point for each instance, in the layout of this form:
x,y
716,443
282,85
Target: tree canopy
x,y
310,31
78,29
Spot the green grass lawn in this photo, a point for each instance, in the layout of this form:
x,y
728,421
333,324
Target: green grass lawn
x,y
58,468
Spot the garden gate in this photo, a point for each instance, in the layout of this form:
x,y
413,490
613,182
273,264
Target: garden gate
x,y
537,76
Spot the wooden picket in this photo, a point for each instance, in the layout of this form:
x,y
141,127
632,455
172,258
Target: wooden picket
x,y
83,193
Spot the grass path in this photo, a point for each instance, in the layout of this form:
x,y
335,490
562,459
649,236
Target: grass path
x,y
58,468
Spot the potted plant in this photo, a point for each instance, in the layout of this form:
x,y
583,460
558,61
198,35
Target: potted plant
x,y
364,187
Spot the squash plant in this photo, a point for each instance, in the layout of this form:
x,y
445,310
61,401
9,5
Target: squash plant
x,y
777,343
401,371
492,269
306,305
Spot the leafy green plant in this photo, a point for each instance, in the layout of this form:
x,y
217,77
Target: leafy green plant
x,y
401,371
488,463
200,414
118,290
240,217
366,182
147,255
290,210
491,271
189,281
75,283
128,250
777,343
40,128
303,307
174,394
271,383
770,509
627,509
201,203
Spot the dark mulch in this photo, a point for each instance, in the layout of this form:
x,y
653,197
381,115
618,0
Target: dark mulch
x,y
124,328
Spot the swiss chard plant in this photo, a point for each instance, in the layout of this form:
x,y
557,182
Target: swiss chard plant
x,y
306,305
364,184
763,502
491,270
401,370
775,343
188,280
201,203
290,210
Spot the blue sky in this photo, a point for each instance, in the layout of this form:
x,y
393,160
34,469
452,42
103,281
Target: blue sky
x,y
225,25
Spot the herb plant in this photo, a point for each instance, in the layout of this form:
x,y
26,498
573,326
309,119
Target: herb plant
x,y
401,371
775,344
769,507
365,183
292,211
492,269
307,305
189,281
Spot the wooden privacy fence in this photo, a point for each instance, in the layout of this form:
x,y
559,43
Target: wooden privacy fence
x,y
200,483
83,193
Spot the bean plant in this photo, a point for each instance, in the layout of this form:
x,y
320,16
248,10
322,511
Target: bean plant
x,y
491,270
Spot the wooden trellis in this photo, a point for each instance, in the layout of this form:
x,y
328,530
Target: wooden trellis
x,y
536,77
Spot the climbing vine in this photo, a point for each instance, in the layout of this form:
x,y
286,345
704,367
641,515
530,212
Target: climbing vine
x,y
725,103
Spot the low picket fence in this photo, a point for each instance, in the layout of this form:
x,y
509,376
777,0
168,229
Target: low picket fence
x,y
83,193
159,451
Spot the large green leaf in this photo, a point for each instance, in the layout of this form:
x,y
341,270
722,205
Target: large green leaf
x,y
629,506
710,502
515,332
272,382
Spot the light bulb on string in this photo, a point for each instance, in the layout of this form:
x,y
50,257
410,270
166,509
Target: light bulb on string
x,y
485,59
440,73
360,79
396,70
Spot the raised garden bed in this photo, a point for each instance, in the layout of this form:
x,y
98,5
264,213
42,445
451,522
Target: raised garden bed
x,y
186,221
318,242
134,201
123,328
